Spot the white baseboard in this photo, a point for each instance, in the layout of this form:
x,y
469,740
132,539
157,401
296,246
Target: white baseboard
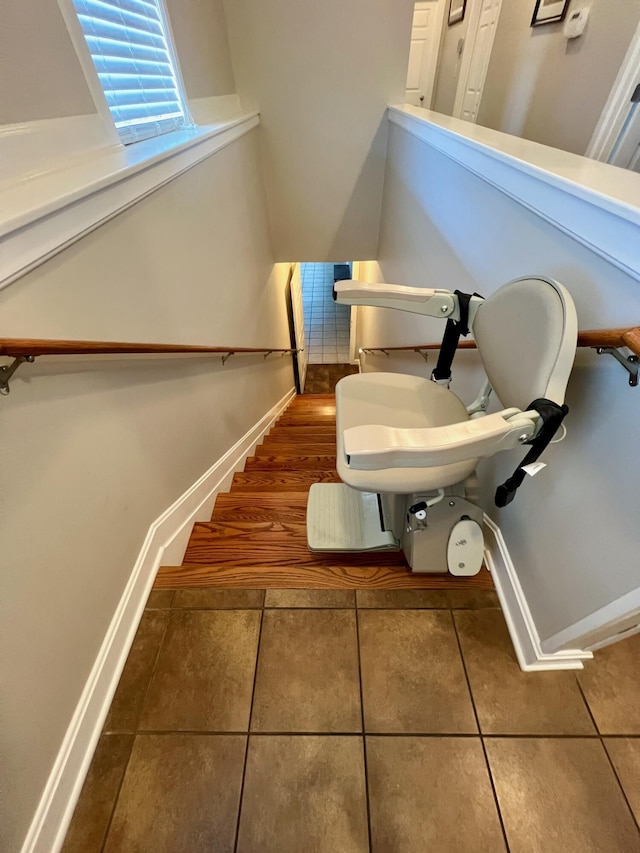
x,y
522,629
165,543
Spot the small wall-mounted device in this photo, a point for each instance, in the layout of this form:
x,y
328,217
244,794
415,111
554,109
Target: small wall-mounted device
x,y
575,23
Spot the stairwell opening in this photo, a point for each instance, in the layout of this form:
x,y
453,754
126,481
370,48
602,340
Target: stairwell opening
x,y
327,324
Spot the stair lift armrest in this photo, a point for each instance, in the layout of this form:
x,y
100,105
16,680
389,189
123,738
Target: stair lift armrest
x,y
374,447
417,300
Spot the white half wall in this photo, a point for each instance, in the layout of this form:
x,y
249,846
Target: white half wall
x,y
572,532
93,450
321,75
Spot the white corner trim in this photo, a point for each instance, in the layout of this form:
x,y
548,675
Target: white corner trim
x,y
616,108
522,628
166,540
595,203
46,214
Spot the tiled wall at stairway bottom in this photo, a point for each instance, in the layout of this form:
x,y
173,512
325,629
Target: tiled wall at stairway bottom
x,y
326,322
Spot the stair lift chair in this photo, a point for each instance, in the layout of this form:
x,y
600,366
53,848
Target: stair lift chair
x,y
407,448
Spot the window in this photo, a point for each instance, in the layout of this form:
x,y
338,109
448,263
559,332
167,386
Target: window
x,y
132,52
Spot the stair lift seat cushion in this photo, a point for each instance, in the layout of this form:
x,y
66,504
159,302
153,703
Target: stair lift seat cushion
x,y
405,402
526,333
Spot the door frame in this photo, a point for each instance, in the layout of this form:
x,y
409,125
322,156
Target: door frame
x,y
467,56
353,321
297,329
616,108
431,65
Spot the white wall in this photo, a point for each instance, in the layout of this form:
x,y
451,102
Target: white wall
x,y
92,451
322,75
40,76
200,33
573,531
544,88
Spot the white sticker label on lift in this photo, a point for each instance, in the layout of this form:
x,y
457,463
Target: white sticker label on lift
x,y
533,469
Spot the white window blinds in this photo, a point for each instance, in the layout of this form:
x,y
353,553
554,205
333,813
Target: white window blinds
x,y
129,45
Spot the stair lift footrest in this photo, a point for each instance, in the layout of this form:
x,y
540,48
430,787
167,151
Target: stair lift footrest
x,y
340,518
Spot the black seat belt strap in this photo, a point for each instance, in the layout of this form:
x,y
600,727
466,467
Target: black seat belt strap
x,y
552,416
452,333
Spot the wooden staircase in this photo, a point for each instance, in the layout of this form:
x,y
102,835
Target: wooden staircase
x,y
256,538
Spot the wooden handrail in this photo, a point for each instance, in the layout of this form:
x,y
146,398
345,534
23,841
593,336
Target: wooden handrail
x,y
588,338
33,347
631,339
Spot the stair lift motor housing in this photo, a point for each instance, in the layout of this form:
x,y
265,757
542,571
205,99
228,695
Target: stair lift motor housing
x,y
445,535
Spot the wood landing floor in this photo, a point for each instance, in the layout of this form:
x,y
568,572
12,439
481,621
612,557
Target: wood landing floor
x,y
256,538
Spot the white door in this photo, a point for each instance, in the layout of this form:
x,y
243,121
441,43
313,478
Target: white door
x,y
423,53
298,325
626,150
475,61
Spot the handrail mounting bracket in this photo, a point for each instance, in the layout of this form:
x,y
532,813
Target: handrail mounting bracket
x,y
629,362
7,371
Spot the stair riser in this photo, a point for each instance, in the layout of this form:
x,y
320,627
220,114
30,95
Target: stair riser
x,y
301,433
292,463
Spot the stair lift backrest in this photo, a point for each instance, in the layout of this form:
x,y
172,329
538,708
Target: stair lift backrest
x,y
526,333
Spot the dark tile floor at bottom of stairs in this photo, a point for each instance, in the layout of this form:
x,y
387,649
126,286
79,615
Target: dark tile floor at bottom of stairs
x,y
322,378
339,721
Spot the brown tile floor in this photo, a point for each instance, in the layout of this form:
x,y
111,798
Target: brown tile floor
x,y
322,378
391,721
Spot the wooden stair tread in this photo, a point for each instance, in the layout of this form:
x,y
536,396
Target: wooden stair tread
x,y
278,543
308,433
295,450
304,430
302,421
288,506
311,577
258,513
266,499
257,536
286,445
318,403
291,481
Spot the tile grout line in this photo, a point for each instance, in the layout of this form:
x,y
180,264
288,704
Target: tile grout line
x,y
364,733
248,732
484,749
606,752
136,728
310,733
117,796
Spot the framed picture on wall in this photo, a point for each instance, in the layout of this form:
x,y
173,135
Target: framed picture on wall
x,y
549,12
456,11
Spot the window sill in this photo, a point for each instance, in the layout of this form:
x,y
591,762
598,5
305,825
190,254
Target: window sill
x,y
42,214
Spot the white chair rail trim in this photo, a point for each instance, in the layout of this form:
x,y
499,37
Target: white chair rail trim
x,y
46,213
596,204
